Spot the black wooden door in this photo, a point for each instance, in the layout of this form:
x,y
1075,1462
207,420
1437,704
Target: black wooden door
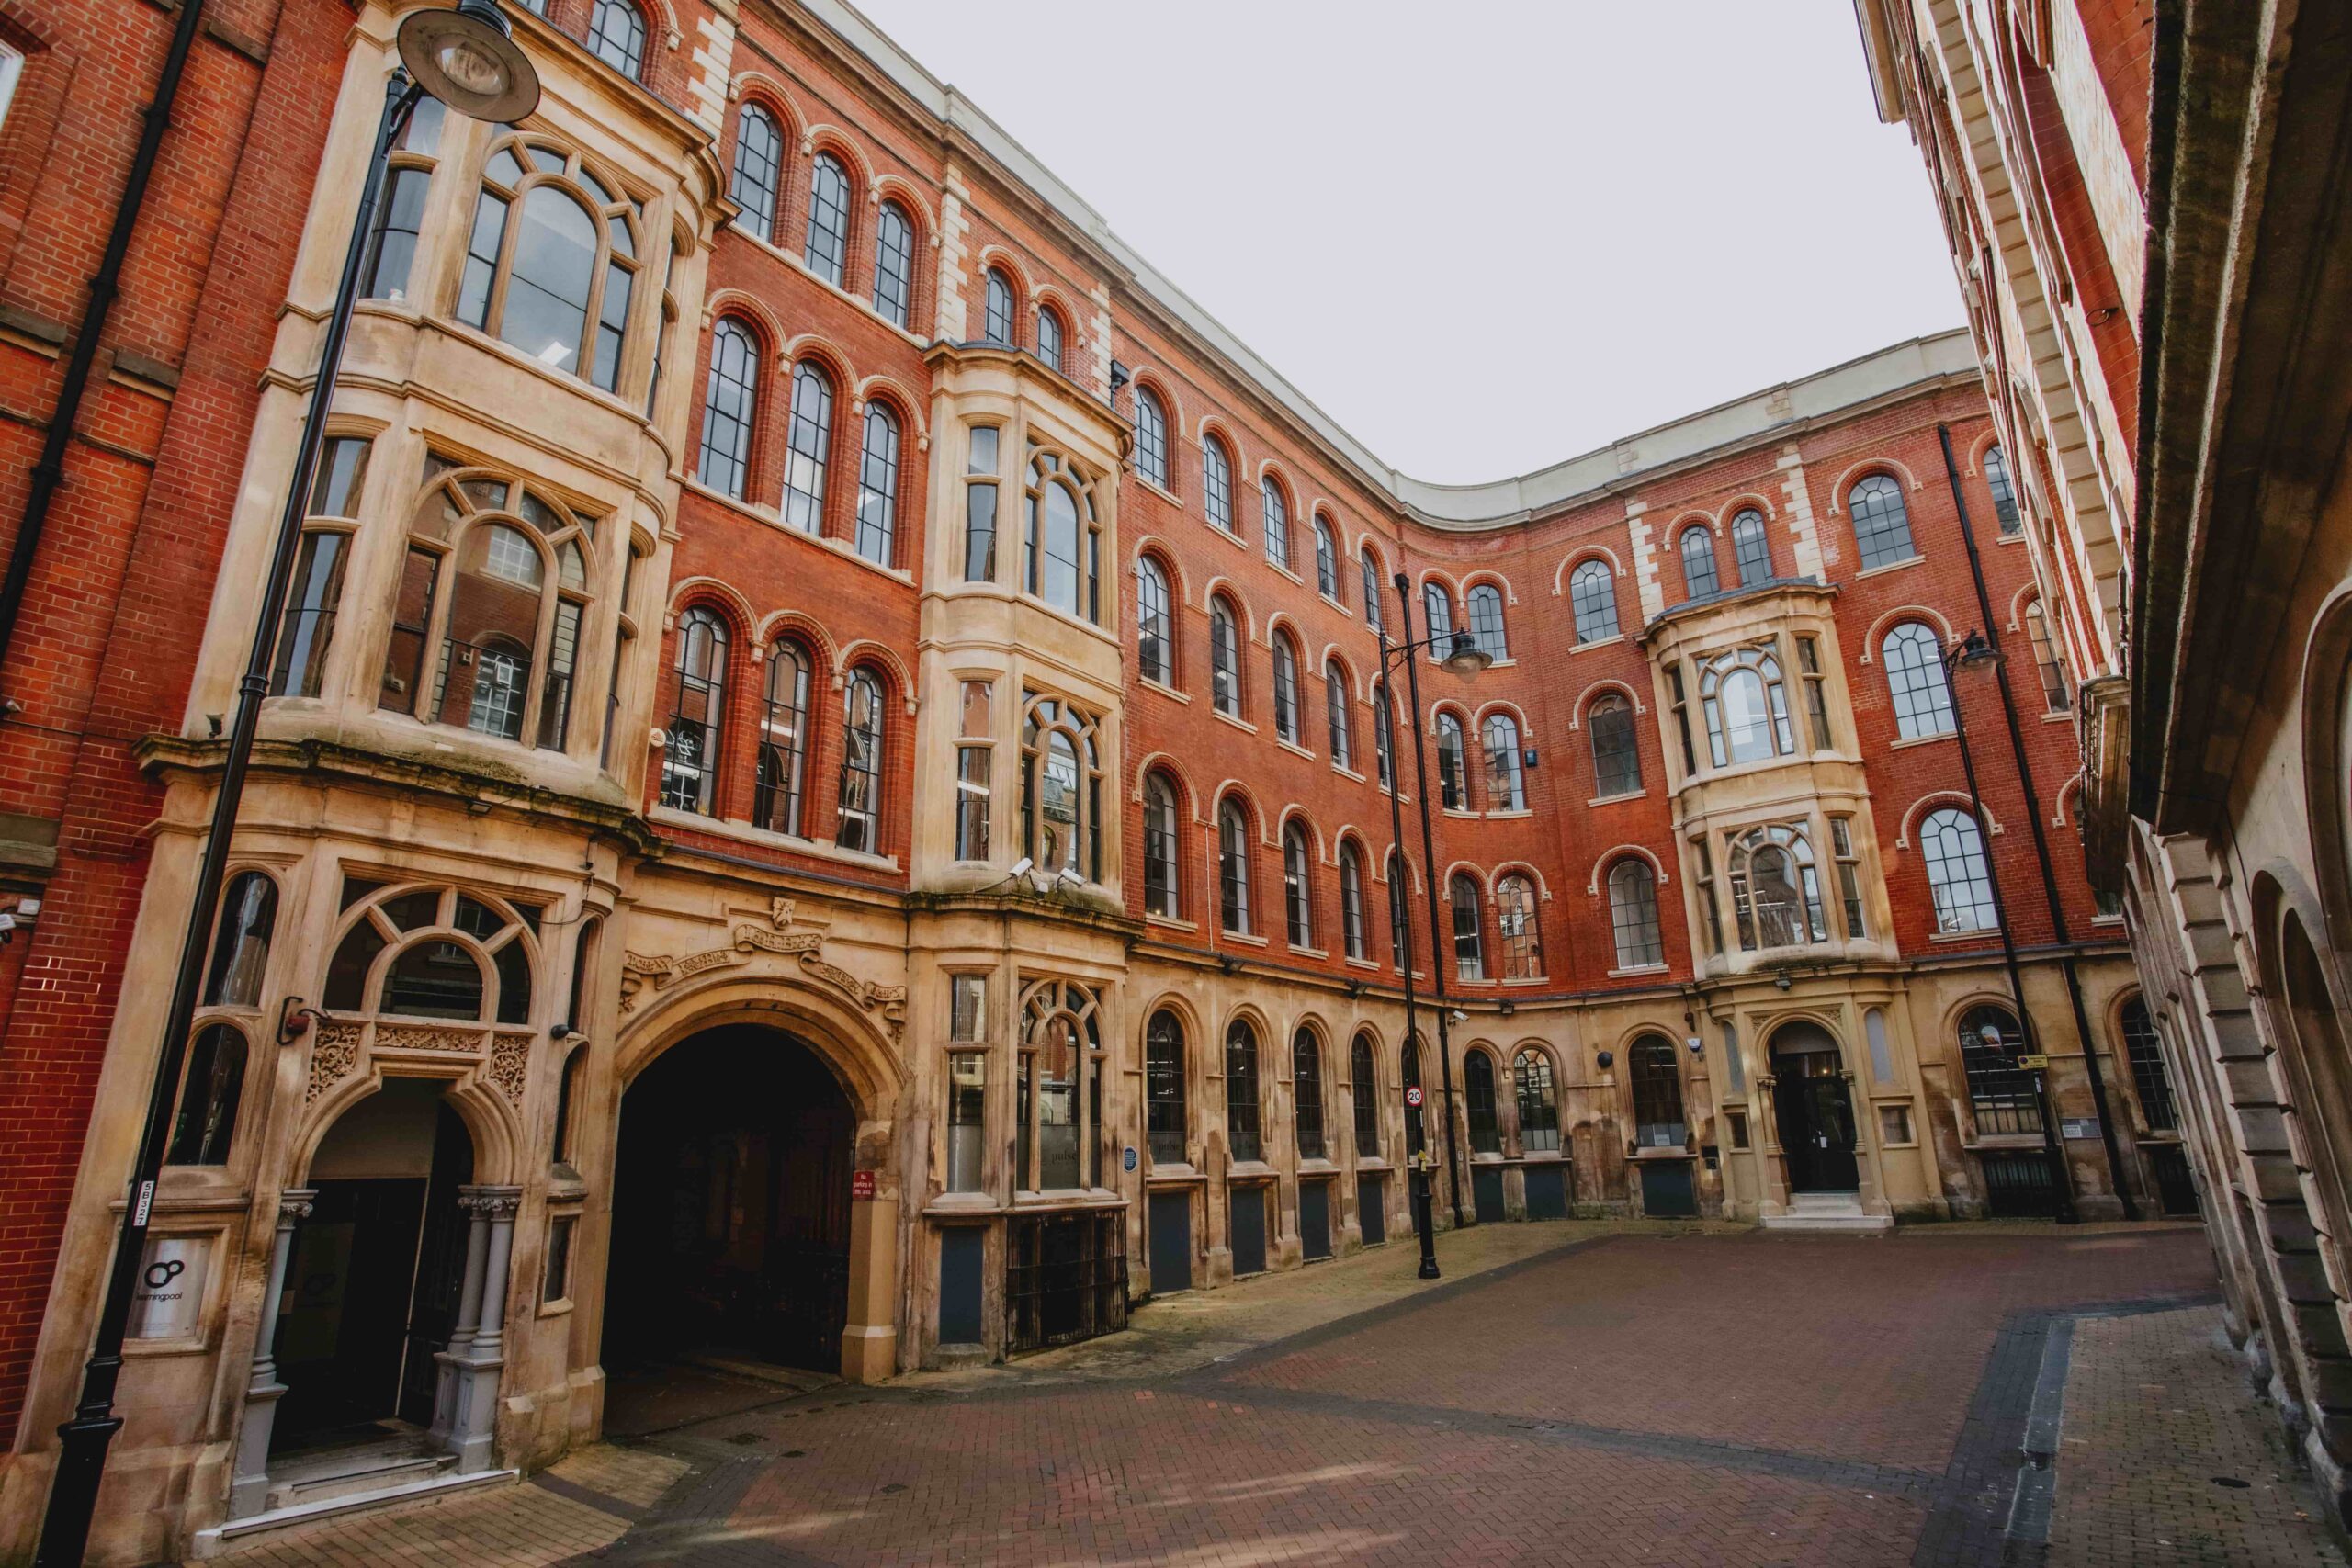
x,y
1248,1230
1486,1194
1371,1208
1172,1241
1815,1116
1314,1219
1667,1191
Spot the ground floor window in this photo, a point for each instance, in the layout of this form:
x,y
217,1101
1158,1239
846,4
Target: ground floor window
x,y
1066,1278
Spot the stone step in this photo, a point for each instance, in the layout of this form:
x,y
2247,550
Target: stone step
x,y
212,1543
373,1476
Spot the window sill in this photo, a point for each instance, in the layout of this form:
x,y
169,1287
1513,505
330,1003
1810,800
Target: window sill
x,y
1160,688
1460,812
1224,717
1639,969
1250,1170
1611,640
961,1205
1346,771
1615,799
1364,964
1887,567
1283,567
1334,603
743,833
1227,534
1294,748
1535,979
1310,952
2058,718
1506,815
1922,740
1243,937
2010,535
1160,490
1461,979
1317,1165
1170,922
1983,933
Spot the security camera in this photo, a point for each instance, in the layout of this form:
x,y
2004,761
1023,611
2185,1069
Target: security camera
x,y
1458,1016
1069,874
1697,1047
1021,866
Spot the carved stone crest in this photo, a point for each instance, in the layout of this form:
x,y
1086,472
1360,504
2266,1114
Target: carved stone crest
x,y
333,1055
510,1065
416,1037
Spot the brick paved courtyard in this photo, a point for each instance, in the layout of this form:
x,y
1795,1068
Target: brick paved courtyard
x,y
1563,1396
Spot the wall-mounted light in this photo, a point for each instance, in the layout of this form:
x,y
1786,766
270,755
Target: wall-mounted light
x,y
1507,1007
294,1020
1782,979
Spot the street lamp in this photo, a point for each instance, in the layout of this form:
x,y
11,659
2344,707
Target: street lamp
x,y
468,59
1462,657
1975,651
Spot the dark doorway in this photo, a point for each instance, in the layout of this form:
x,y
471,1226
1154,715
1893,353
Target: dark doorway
x,y
1371,1208
2017,1184
1066,1279
1315,1220
1815,1111
1249,1208
1487,1193
1170,1214
730,1206
1667,1190
2175,1189
372,1283
1547,1192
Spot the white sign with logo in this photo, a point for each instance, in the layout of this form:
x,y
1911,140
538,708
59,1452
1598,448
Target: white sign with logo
x,y
170,1287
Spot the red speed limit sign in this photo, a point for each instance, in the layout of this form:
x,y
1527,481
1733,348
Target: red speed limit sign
x,y
1413,1096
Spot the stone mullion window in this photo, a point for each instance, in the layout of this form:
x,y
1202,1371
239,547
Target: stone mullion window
x,y
1058,1098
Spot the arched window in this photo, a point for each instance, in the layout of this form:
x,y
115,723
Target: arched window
x,y
1505,789
1065,537
1162,888
995,321
1306,1092
1151,437
894,263
1049,339
1233,867
241,938
1515,923
1915,678
808,444
2003,1095
783,741
1155,626
1658,1093
1957,875
1327,560
759,170
1166,1124
730,400
827,251
1399,931
1216,483
1593,596
1241,1104
1469,949
1632,913
1478,1103
1298,886
1273,511
434,974
1882,525
1539,1107
1370,564
617,36
1061,1046
2054,695
1363,1087
1453,763
556,281
1699,562
1747,707
1749,547
567,1101
1336,703
1384,735
1485,606
315,596
488,607
698,709
1351,900
1616,751
2144,1049
1225,657
2004,495
1776,888
877,488
1437,607
860,816
211,1087
1061,800
1286,662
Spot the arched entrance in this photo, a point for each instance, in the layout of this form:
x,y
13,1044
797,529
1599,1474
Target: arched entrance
x,y
1815,1111
731,1206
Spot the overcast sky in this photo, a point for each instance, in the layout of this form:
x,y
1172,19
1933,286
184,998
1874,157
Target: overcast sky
x,y
1483,236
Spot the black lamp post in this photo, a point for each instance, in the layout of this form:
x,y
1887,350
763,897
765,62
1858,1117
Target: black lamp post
x,y
467,60
1463,657
1974,651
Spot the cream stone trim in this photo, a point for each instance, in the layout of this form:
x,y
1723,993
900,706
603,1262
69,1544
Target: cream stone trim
x,y
690,591
737,302
1989,824
1586,698
1731,509
1591,549
1489,575
1856,472
1876,632
867,651
826,137
1232,590
1610,857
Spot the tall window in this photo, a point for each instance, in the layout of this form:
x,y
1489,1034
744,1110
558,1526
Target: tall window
x,y
1539,1107
1151,437
967,1085
808,447
2004,495
1776,888
975,767
555,280
1749,547
1956,874
827,250
1241,1106
315,595
1273,511
1881,526
1216,483
1437,608
1155,628
860,824
1298,886
241,938
1915,677
1658,1093
1632,913
1065,537
1616,751
979,505
1592,595
1469,950
2054,695
1485,606
759,170
1370,564
1306,1092
1233,867
2144,1049
1363,1087
1163,1071
877,487
1162,888
211,1087
1351,900
1061,805
1515,924
690,760
2002,1094
1225,657
400,215
894,263
617,36
1747,707
729,399
1699,562
996,320
1335,704
1505,790
1478,1103
1384,735
1061,1047
1049,340
1327,560
783,741
1452,777
1285,663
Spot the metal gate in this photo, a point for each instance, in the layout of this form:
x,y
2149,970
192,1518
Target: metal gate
x,y
1067,1278
2176,1188
2018,1184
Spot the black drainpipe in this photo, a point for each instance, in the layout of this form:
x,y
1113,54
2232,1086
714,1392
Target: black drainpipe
x,y
2040,849
49,471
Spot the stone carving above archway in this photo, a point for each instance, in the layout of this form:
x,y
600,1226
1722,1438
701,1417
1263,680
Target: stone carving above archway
x,y
664,970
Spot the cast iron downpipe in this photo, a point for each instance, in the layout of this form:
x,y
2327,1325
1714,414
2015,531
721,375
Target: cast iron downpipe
x,y
2041,850
1428,864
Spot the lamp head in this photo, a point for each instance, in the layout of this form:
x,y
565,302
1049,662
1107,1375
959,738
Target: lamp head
x,y
1467,658
1973,650
468,58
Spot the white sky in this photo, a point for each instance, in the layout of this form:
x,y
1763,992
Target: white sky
x,y
1484,236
